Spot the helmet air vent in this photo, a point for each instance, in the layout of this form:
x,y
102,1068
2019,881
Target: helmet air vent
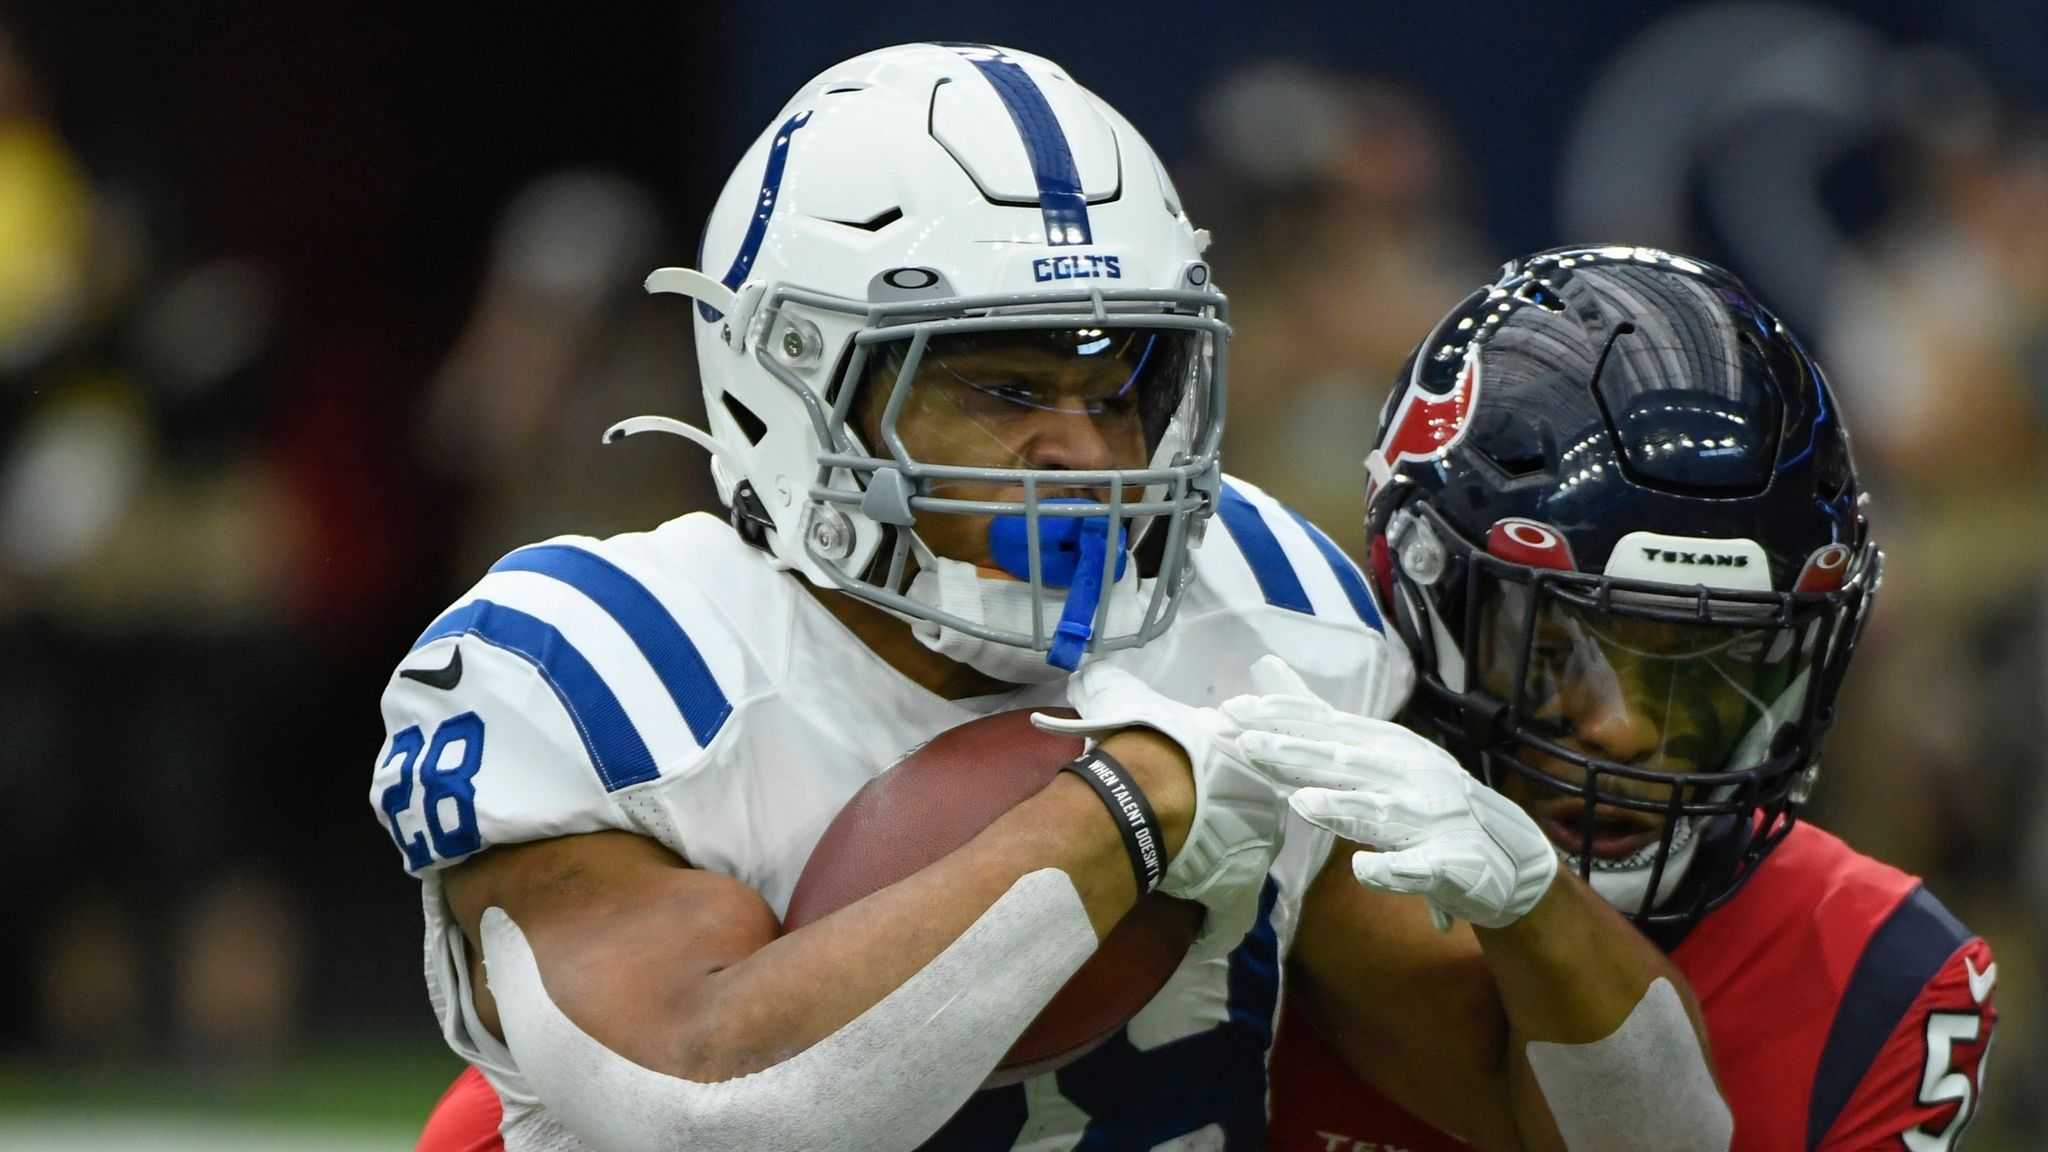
x,y
1539,293
751,425
874,223
1516,465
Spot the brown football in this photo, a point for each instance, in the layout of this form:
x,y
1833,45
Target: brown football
x,y
935,800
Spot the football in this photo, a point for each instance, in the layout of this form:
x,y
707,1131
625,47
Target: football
x,y
936,799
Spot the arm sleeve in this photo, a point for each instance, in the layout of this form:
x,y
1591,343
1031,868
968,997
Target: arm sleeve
x,y
1926,1085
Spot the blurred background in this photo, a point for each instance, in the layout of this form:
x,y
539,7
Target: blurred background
x,y
309,311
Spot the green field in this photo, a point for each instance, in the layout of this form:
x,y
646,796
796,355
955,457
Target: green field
x,y
355,1099
367,1099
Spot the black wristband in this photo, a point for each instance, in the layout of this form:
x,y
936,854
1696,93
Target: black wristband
x,y
1143,838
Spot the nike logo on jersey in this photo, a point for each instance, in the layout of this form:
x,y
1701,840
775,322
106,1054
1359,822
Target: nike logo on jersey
x,y
1981,983
442,678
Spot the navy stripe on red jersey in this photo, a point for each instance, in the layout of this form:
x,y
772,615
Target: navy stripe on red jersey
x,y
1905,952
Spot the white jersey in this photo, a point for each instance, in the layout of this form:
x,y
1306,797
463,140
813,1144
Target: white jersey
x,y
675,684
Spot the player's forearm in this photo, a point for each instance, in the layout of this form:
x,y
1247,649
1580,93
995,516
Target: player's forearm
x,y
1571,974
885,1080
652,1006
1572,969
802,987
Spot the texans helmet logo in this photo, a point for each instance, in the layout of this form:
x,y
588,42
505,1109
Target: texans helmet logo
x,y
1426,426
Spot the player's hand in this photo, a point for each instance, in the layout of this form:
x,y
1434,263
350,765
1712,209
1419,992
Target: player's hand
x,y
1238,813
1440,834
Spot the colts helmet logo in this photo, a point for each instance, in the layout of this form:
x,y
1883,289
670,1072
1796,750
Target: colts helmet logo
x,y
1425,426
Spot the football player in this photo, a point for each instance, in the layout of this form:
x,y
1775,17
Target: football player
x,y
1612,505
965,374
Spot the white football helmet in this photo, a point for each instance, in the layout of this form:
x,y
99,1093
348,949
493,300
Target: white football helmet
x,y
912,218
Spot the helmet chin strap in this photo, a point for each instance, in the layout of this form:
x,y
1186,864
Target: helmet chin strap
x,y
1624,883
1072,554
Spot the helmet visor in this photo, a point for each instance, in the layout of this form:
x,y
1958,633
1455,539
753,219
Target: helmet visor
x,y
1636,683
1066,398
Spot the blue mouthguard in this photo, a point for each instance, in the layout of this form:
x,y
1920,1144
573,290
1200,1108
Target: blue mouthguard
x,y
1071,551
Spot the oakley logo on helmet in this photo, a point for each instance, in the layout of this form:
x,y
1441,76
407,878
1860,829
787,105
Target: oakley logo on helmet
x,y
894,285
1825,570
910,279
1537,545
1075,268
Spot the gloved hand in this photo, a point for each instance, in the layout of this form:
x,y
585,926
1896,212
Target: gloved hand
x,y
1238,810
1440,834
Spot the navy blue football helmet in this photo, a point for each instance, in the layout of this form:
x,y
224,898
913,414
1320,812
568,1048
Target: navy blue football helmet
x,y
1612,508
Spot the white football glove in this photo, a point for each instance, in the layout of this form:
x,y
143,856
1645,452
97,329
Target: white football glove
x,y
1440,834
1238,810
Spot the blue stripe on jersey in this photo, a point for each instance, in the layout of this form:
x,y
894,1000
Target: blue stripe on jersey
x,y
1262,550
616,750
1215,1077
1052,160
1347,573
764,207
1255,971
1905,952
652,628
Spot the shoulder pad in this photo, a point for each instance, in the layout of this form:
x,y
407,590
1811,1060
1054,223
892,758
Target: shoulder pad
x,y
1267,553
571,672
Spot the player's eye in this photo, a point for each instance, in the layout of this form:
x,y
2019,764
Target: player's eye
x,y
1115,404
1541,685
1021,394
1550,652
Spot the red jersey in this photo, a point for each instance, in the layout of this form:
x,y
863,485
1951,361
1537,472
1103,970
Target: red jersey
x,y
466,1119
1848,1012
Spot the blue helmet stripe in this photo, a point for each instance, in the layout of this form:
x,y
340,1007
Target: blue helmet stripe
x,y
1052,161
614,745
651,627
764,207
1347,573
1262,550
